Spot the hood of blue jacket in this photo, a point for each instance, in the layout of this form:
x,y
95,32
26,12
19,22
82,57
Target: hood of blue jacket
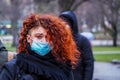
x,y
71,19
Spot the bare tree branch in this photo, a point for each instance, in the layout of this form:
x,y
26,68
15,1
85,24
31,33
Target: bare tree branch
x,y
110,9
65,4
77,3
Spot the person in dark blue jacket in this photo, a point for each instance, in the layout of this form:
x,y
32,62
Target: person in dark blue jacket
x,y
46,51
84,70
5,55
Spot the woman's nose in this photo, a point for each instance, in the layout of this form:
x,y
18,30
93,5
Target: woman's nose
x,y
43,39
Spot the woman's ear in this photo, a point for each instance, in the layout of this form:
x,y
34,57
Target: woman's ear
x,y
29,39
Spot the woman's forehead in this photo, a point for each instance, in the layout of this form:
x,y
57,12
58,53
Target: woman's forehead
x,y
38,30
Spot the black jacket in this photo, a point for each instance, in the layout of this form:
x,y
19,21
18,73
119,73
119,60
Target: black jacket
x,y
84,71
3,54
35,67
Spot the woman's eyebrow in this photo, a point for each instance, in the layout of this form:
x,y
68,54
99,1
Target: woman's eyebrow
x,y
38,34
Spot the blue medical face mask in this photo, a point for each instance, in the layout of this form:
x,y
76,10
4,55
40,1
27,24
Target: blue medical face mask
x,y
41,48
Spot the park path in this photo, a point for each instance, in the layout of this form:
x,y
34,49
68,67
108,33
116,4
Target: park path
x,y
106,71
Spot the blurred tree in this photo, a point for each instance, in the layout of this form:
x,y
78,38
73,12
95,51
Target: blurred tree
x,y
69,4
110,13
15,10
42,8
10,9
2,10
41,4
14,17
62,4
88,15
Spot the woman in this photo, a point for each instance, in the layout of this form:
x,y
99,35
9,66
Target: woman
x,y
46,51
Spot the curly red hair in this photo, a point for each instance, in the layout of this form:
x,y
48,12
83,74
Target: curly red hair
x,y
64,46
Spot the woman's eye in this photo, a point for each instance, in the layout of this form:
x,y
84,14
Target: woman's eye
x,y
39,37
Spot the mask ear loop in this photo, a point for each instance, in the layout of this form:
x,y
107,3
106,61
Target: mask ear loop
x,y
49,40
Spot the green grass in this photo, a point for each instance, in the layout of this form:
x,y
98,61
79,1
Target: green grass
x,y
9,47
106,57
104,48
98,57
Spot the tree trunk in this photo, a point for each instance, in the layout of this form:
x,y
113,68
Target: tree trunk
x,y
14,32
115,40
114,33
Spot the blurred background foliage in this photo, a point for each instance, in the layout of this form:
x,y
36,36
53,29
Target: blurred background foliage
x,y
100,17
